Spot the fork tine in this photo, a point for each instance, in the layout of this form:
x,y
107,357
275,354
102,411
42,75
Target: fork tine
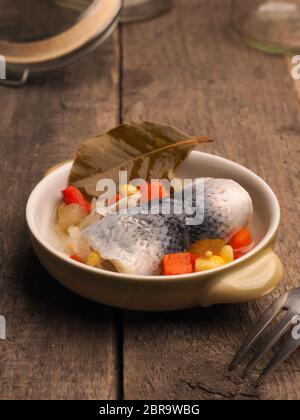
x,y
289,347
258,330
270,340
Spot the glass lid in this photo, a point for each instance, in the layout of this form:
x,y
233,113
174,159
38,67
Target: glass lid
x,y
31,20
37,33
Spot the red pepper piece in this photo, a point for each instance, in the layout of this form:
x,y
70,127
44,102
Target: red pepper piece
x,y
76,258
73,196
238,255
241,239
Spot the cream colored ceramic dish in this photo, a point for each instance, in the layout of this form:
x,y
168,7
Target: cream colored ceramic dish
x,y
247,279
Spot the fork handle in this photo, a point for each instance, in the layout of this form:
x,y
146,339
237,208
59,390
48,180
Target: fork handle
x,y
246,282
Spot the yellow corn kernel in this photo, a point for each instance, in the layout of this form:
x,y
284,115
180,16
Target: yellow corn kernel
x,y
204,264
128,190
94,259
227,254
201,247
209,254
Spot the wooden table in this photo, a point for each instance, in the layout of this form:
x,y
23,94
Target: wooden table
x,y
185,68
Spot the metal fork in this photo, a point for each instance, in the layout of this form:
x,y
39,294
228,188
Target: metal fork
x,y
290,303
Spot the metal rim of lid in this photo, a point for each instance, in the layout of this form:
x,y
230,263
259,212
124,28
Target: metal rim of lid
x,y
100,15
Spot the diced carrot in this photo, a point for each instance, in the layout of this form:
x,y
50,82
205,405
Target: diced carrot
x,y
73,196
76,258
193,259
241,239
153,191
176,264
115,199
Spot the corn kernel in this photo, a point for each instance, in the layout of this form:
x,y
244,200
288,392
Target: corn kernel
x,y
227,254
204,264
94,259
128,190
208,254
202,246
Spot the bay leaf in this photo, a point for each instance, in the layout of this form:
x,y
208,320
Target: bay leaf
x,y
145,150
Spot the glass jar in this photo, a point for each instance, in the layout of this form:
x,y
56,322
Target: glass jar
x,y
38,35
133,10
271,26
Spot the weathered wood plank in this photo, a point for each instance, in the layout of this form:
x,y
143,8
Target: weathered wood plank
x,y
59,346
188,69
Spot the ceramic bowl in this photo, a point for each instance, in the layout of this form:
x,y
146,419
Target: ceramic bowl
x,y
247,279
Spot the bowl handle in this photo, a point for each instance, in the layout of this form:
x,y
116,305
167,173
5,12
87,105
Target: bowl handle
x,y
248,282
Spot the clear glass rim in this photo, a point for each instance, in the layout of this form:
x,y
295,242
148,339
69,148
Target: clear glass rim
x,y
275,47
263,45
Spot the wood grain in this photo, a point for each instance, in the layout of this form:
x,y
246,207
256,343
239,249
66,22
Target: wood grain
x,y
188,69
59,346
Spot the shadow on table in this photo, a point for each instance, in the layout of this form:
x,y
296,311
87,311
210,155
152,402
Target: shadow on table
x,y
47,296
